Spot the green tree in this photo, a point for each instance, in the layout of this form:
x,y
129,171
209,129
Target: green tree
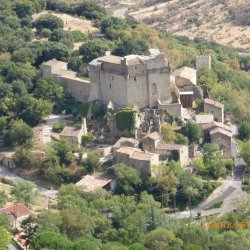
x,y
137,246
3,123
23,55
192,131
160,239
128,179
193,234
24,8
48,89
51,240
85,245
245,153
24,158
49,221
93,48
166,186
230,240
181,139
20,134
92,162
132,46
4,239
48,21
5,221
25,192
3,198
113,246
168,132
33,110
61,149
244,131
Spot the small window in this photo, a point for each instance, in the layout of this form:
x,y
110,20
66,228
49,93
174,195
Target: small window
x,y
112,78
135,67
134,78
110,86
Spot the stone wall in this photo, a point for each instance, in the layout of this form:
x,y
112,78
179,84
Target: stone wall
x,y
224,142
78,88
217,112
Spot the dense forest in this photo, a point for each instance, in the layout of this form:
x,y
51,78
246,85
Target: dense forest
x,y
133,218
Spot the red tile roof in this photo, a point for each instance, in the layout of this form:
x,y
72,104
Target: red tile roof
x,y
16,210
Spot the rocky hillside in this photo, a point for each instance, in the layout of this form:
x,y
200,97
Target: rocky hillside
x,y
224,21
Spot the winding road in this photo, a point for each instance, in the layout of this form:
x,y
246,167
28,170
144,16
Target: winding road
x,y
8,175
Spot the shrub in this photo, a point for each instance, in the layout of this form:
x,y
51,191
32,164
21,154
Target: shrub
x,y
58,127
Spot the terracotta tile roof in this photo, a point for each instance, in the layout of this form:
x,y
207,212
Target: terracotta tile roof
x,y
71,131
136,154
214,103
16,210
91,182
204,118
154,136
142,156
221,131
216,124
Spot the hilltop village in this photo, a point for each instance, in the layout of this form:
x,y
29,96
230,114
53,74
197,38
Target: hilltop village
x,y
156,95
115,135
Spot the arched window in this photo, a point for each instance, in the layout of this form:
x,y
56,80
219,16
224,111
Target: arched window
x,y
154,89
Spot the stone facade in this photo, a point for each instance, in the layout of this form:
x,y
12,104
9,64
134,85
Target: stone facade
x,y
74,135
131,80
214,108
223,138
145,163
78,88
154,143
184,76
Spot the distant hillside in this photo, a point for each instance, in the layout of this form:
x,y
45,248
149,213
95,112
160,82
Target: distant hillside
x,y
224,21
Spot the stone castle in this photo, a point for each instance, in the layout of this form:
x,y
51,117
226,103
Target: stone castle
x,y
128,81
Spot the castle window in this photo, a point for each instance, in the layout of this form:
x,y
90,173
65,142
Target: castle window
x,y
135,67
154,89
110,86
134,78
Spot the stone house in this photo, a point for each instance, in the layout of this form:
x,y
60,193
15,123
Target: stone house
x,y
74,135
125,142
167,151
207,127
145,163
214,108
204,119
16,213
223,138
184,76
93,182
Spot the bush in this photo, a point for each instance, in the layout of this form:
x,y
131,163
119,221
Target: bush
x,y
126,120
48,21
58,127
87,139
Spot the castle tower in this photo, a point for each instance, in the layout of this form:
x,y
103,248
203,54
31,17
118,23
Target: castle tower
x,y
203,61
